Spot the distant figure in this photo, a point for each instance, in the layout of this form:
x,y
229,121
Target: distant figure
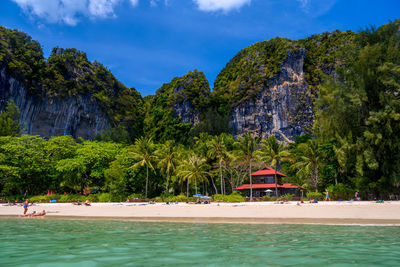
x,y
327,196
78,203
87,203
26,204
28,214
42,213
356,197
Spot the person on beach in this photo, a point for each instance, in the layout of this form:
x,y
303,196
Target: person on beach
x,y
327,196
26,204
42,213
356,197
87,203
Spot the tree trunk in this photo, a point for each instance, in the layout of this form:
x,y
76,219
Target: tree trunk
x,y
215,187
276,184
147,179
222,180
251,182
187,188
195,185
166,188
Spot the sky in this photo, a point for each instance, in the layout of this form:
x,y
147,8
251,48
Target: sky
x,y
146,43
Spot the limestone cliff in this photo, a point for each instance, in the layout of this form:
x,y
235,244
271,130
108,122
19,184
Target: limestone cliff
x,y
282,108
79,116
65,94
190,94
268,88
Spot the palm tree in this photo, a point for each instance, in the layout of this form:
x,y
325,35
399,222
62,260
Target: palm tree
x,y
246,147
273,152
308,162
143,152
193,169
217,149
167,156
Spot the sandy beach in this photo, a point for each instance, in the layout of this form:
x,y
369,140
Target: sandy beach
x,y
362,213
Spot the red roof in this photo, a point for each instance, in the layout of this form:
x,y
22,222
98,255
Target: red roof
x,y
266,186
267,171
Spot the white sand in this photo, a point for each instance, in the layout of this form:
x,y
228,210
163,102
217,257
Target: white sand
x,y
363,212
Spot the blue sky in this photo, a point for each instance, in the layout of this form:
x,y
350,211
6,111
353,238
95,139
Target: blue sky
x,y
146,43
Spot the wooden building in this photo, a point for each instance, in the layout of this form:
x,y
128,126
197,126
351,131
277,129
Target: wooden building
x,y
264,184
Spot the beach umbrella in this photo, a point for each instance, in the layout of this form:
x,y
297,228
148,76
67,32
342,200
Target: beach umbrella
x,y
268,191
198,195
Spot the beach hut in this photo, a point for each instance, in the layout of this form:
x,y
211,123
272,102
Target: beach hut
x,y
264,180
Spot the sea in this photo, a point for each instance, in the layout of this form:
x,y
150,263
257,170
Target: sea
x,y
56,242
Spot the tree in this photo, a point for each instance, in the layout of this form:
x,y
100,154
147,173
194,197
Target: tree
x,y
273,152
193,169
9,121
361,109
246,148
143,152
167,156
217,149
88,165
308,161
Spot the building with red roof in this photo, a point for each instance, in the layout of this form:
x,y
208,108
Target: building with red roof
x,y
264,184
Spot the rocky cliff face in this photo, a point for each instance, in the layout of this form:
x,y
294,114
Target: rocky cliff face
x,y
184,109
282,108
79,116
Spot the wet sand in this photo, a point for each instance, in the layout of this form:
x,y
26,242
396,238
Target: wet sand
x,y
336,213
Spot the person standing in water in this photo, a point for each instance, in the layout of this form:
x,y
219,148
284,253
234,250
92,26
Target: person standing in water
x,y
327,196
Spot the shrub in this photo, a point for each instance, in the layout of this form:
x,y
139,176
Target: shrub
x,y
269,198
234,197
104,197
179,198
71,198
315,195
45,198
340,191
92,197
286,197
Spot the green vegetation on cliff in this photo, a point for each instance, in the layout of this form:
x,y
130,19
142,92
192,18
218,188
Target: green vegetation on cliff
x,y
67,73
250,70
247,73
190,94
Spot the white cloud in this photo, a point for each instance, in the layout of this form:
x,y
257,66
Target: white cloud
x,y
220,5
316,8
134,2
69,11
153,3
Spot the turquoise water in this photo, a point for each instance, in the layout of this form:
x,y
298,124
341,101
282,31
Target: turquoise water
x,y
48,242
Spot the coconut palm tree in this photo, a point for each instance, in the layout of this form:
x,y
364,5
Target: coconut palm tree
x,y
194,169
143,152
246,147
273,152
308,162
167,156
217,149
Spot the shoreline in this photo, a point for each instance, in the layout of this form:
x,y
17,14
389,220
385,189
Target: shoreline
x,y
225,220
323,213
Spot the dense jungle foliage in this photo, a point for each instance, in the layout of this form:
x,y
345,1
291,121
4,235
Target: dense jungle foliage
x,y
354,145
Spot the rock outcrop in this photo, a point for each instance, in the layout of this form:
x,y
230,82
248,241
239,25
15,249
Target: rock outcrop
x,y
282,108
79,115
